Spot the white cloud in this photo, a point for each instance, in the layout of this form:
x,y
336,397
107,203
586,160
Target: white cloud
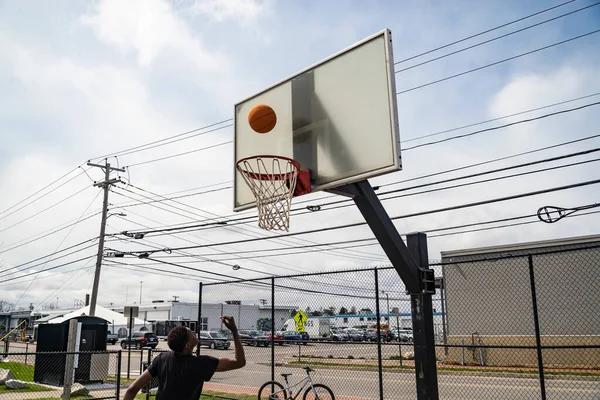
x,y
135,72
246,12
151,30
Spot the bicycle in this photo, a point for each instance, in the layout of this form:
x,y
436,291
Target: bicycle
x,y
287,390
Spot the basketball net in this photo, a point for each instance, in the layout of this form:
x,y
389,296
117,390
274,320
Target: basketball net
x,y
272,180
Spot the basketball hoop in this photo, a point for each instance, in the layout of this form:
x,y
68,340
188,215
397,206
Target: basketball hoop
x,y
274,180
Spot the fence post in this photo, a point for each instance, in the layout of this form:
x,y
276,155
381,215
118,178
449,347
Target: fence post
x,y
118,394
199,317
421,307
26,352
272,332
378,315
149,387
536,323
198,324
70,358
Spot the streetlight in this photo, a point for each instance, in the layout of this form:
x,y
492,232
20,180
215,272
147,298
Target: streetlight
x,y
121,214
387,297
141,282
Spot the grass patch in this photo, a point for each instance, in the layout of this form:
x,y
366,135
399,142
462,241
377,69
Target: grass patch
x,y
31,388
21,372
113,379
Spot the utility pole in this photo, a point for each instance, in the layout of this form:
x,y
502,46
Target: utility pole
x,y
105,184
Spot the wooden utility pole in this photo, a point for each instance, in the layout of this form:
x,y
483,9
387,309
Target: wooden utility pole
x,y
105,184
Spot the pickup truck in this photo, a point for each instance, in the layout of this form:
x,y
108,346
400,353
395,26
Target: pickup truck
x,y
112,338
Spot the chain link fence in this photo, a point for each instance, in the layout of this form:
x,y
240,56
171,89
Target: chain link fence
x,y
518,325
41,375
523,325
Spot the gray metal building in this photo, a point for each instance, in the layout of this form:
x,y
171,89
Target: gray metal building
x,y
489,299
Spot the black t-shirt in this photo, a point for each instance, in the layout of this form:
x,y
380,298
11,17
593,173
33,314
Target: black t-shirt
x,y
181,377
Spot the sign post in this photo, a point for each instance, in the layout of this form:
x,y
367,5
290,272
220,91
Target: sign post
x,y
132,313
300,318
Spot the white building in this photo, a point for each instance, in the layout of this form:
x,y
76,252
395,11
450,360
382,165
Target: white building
x,y
164,315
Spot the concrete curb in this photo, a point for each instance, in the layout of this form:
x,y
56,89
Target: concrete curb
x,y
446,372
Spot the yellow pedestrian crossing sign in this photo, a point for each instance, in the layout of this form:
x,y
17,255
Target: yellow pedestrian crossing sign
x,y
300,319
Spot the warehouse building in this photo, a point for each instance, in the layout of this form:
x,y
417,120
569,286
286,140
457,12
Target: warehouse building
x,y
491,294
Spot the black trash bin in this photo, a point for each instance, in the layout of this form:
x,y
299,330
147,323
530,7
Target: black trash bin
x,y
50,360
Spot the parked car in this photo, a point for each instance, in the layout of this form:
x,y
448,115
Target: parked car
x,y
290,336
213,340
254,338
405,335
355,335
112,338
140,339
278,338
338,336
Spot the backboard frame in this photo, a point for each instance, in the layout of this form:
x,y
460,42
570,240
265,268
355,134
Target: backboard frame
x,y
393,112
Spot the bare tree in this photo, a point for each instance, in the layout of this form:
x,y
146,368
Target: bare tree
x,y
6,306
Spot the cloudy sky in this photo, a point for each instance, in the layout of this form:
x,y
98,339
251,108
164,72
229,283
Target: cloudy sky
x,y
82,80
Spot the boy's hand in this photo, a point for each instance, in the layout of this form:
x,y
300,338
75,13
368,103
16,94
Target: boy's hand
x,y
229,323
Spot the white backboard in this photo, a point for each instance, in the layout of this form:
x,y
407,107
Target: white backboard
x,y
337,118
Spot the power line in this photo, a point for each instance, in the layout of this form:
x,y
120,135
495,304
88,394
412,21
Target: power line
x,y
499,118
427,212
355,242
475,175
244,232
52,254
301,211
47,269
497,62
403,141
144,267
58,247
129,150
42,196
181,154
504,126
225,226
496,38
484,32
44,210
15,245
137,202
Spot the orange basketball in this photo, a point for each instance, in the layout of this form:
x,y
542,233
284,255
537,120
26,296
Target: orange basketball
x,y
262,118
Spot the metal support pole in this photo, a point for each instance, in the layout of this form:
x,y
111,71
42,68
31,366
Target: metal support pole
x,y
443,301
272,332
119,357
422,319
399,341
199,317
129,343
536,322
378,316
412,267
149,387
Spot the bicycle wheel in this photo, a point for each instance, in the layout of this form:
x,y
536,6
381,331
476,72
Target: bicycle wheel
x,y
323,393
265,391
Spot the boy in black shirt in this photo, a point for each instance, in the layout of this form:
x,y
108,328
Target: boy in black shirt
x,y
181,375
